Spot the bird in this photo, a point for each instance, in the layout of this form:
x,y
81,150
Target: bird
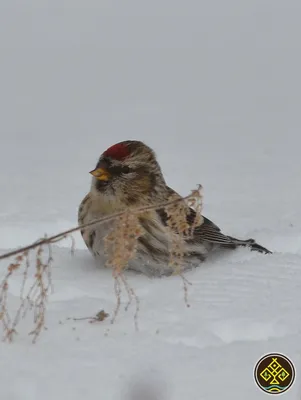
x,y
127,175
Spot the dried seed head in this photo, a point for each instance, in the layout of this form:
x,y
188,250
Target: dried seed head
x,y
121,242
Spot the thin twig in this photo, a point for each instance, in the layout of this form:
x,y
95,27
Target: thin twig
x,y
120,246
63,235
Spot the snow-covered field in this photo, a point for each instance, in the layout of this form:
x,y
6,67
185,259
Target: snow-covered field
x,y
215,89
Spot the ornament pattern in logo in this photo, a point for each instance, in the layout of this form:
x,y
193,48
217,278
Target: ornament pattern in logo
x,y
274,373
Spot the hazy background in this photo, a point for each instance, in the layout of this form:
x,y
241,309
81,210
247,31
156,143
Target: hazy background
x,y
213,86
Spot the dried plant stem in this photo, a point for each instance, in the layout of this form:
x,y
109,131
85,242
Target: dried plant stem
x,y
65,234
132,295
117,289
120,246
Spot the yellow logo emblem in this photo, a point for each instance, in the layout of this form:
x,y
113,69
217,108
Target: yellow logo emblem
x,y
274,373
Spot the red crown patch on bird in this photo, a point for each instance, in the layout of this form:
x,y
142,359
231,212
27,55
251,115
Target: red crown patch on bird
x,y
118,151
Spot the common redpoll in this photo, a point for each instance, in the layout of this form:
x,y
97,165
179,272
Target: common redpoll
x,y
127,175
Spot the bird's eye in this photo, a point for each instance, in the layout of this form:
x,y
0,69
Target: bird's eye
x,y
125,170
120,169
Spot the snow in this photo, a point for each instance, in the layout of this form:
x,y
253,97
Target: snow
x,y
214,88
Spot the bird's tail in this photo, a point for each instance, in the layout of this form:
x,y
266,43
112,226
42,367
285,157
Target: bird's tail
x,y
251,243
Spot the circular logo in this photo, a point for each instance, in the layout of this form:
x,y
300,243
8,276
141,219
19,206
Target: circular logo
x,y
274,373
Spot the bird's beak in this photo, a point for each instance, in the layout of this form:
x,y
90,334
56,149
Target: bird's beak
x,y
101,174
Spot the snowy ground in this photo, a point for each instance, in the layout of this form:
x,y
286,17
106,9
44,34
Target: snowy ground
x,y
215,89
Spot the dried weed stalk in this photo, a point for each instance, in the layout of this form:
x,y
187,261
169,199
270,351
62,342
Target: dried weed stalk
x,y
33,299
120,245
182,228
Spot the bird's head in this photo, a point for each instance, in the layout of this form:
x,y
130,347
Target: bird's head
x,y
129,172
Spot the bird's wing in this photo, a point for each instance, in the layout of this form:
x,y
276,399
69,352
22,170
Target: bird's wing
x,y
209,232
206,231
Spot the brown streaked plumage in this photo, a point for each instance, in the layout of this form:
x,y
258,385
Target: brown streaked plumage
x,y
128,174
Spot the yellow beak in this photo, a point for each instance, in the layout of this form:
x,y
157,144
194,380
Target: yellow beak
x,y
100,174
